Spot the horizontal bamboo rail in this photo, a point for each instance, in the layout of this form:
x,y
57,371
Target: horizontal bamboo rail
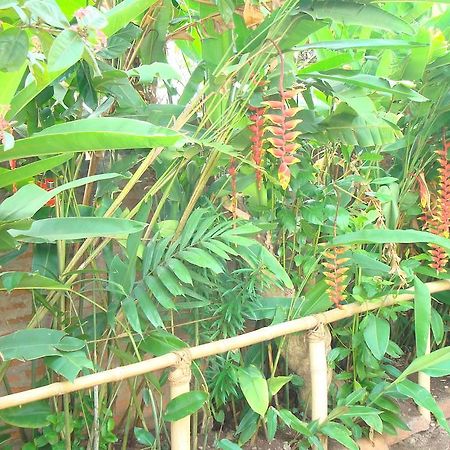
x,y
210,349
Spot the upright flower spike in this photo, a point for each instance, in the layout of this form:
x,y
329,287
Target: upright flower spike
x,y
335,275
257,130
437,219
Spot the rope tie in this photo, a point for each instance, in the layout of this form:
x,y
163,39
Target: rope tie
x,y
181,372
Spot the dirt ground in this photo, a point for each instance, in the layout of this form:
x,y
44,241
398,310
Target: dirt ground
x,y
434,439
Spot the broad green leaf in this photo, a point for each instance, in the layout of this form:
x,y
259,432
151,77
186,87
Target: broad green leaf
x,y
255,389
66,50
72,228
162,295
147,73
294,422
358,14
160,342
30,198
28,281
124,13
13,49
226,444
106,133
439,361
49,12
144,437
422,315
185,405
10,81
376,335
374,83
33,415
378,236
344,44
69,364
271,423
276,383
437,326
27,345
423,398
339,433
30,170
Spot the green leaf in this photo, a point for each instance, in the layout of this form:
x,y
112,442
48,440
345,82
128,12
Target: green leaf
x,y
294,422
27,345
437,326
69,364
339,433
201,258
185,405
226,444
144,437
169,280
344,44
376,335
49,12
124,13
72,228
374,83
180,270
66,50
276,383
130,309
378,236
33,415
423,398
437,361
255,389
161,294
422,315
147,306
160,342
358,14
106,133
10,281
28,171
147,73
271,423
13,49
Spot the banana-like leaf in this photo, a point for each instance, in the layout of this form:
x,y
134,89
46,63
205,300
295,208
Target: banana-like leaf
x,y
350,13
91,135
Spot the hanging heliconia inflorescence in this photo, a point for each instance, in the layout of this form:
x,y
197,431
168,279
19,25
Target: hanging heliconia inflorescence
x,y
282,130
437,219
335,275
257,132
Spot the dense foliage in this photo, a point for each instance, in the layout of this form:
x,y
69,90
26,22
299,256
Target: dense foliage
x,y
186,171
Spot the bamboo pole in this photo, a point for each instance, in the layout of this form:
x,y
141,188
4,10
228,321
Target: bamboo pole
x,y
212,348
424,380
180,430
319,377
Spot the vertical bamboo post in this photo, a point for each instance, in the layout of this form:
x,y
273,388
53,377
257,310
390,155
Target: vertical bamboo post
x,y
319,377
179,380
425,381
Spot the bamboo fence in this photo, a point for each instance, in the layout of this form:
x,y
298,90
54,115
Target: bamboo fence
x,y
180,362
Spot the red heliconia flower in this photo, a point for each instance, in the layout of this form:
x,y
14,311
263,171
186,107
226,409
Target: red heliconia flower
x,y
335,276
48,185
257,130
283,133
437,219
